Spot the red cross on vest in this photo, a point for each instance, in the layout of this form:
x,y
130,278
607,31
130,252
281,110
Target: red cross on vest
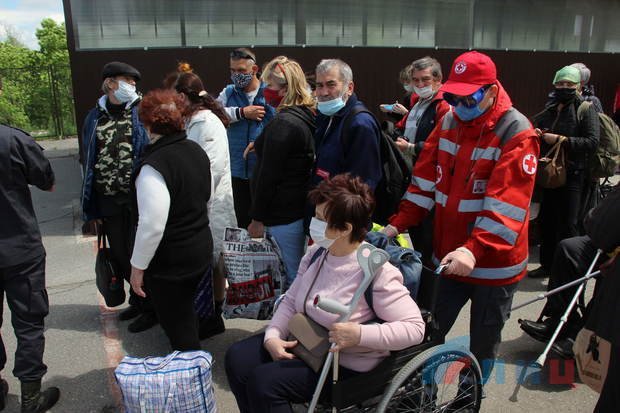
x,y
529,164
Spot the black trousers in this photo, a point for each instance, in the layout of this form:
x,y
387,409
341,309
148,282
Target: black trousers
x,y
609,400
263,385
173,302
243,201
24,286
560,212
118,227
572,258
422,238
490,308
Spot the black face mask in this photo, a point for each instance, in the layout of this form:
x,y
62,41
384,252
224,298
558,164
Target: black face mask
x,y
564,95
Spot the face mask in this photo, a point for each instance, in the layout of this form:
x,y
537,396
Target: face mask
x,y
408,88
425,92
330,107
126,92
241,80
564,95
466,114
317,233
272,97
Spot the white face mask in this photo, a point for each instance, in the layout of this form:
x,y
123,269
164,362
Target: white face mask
x,y
126,92
317,233
408,88
425,92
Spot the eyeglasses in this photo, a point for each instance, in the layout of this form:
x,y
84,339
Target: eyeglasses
x,y
239,54
468,101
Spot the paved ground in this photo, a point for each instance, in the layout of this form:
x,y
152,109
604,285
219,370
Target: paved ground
x,y
85,341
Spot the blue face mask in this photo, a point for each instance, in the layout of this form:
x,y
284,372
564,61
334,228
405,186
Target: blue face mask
x,y
330,107
466,114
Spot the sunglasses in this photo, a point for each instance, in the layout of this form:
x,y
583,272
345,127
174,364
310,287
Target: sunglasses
x,y
468,101
238,54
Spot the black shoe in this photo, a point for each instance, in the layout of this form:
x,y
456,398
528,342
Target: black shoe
x,y
539,272
130,312
144,322
4,391
36,401
539,331
564,348
211,326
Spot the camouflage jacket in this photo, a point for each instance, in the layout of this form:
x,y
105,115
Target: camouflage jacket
x,y
139,140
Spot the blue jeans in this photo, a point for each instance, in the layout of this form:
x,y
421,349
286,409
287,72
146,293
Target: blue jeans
x,y
291,240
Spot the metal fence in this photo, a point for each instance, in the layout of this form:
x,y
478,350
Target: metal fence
x,y
39,100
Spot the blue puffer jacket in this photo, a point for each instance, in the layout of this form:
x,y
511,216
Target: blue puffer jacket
x,y
244,131
90,206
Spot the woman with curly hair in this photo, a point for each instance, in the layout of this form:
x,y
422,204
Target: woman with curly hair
x,y
206,124
173,246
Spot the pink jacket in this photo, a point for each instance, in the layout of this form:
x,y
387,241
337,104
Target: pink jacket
x,y
338,279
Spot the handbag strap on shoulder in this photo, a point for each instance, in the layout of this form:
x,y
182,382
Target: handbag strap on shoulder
x,y
318,272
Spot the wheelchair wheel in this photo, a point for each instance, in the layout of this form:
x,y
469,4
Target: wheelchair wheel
x,y
444,378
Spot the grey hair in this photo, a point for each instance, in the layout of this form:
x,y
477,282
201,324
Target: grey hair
x,y
583,71
425,63
105,88
325,65
404,76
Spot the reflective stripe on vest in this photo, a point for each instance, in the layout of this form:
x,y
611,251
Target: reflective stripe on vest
x,y
498,229
510,124
441,198
505,209
470,205
448,146
448,121
423,184
420,200
494,273
491,153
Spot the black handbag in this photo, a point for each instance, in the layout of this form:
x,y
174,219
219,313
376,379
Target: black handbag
x,y
109,283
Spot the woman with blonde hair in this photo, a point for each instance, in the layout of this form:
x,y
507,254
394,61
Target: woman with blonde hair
x,y
285,155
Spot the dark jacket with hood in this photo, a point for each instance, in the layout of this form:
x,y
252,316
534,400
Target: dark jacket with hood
x,y
281,177
583,135
603,227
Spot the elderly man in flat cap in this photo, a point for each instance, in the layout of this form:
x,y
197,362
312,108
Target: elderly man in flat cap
x,y
113,140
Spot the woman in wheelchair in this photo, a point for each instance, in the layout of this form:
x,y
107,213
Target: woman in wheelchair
x,y
267,372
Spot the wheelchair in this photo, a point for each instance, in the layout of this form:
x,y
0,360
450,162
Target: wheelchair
x,y
429,377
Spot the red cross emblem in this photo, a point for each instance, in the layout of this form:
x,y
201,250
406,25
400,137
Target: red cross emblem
x,y
529,164
439,174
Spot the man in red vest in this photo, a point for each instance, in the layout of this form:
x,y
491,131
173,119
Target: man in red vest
x,y
477,171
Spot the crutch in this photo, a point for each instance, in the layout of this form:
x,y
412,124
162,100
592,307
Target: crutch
x,y
370,259
563,287
540,361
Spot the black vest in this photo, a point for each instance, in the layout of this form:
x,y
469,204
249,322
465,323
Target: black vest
x,y
186,247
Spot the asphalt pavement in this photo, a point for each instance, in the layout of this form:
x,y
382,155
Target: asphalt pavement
x,y
85,341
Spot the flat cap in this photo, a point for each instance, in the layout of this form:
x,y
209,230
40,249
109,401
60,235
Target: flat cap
x,y
119,68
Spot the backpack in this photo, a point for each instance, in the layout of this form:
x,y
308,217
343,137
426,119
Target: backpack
x,y
396,171
606,159
405,259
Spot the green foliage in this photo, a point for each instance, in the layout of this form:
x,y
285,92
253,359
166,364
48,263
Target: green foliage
x,y
37,93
